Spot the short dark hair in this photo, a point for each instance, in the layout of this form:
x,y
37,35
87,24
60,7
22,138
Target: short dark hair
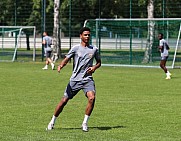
x,y
84,29
161,34
46,32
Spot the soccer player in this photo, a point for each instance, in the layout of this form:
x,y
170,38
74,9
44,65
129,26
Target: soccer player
x,y
83,55
47,42
163,47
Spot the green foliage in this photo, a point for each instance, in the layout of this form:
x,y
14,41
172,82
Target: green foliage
x,y
132,104
20,12
35,15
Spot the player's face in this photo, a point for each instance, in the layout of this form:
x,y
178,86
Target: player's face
x,y
159,36
85,36
44,33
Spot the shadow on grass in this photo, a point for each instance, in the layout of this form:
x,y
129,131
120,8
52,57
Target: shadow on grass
x,y
99,128
107,127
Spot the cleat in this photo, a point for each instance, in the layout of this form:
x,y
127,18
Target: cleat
x,y
168,77
84,127
45,68
50,126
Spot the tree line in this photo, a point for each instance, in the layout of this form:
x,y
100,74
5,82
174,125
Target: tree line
x,y
29,13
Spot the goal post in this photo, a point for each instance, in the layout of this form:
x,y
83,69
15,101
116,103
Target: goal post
x,y
176,61
14,41
134,42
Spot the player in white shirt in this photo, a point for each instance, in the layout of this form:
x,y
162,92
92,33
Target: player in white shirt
x,y
163,47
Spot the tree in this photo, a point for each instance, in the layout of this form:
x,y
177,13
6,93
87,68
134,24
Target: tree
x,y
56,31
150,37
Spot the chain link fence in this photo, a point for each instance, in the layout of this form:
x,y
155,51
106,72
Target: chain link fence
x,y
73,13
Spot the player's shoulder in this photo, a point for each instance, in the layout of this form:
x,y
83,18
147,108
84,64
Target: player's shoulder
x,y
49,37
76,46
93,47
46,37
163,40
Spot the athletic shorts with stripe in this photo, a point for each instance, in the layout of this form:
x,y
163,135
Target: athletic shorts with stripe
x,y
74,87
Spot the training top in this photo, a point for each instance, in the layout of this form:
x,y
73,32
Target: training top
x,y
48,41
83,58
164,51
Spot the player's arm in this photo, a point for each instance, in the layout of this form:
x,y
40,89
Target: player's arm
x,y
44,41
160,47
63,63
97,65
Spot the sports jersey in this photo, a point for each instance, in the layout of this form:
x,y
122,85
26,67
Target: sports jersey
x,y
48,42
83,58
164,51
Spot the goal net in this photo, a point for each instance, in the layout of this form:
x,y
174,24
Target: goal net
x,y
134,42
17,43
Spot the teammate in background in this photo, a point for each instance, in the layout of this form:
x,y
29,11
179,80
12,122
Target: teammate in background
x,y
163,47
83,55
47,42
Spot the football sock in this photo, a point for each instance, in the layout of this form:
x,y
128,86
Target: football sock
x,y
168,73
53,119
86,118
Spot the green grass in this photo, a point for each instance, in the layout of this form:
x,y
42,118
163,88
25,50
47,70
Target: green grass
x,y
132,104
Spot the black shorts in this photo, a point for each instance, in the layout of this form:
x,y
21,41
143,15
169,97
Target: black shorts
x,y
48,54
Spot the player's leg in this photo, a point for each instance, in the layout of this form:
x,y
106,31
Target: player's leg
x,y
89,90
163,66
46,65
58,110
49,59
46,62
89,108
168,74
90,104
68,94
60,106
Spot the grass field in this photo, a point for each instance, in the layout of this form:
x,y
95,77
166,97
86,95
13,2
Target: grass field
x,y
133,104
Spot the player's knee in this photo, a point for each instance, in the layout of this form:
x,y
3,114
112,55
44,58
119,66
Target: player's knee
x,y
161,65
91,98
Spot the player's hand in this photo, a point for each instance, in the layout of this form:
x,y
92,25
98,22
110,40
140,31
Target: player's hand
x,y
59,68
90,70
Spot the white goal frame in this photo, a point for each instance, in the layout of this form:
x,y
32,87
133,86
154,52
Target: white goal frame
x,y
136,19
20,28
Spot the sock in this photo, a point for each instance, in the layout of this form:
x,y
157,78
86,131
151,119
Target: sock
x,y
53,119
86,118
46,66
168,73
52,64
